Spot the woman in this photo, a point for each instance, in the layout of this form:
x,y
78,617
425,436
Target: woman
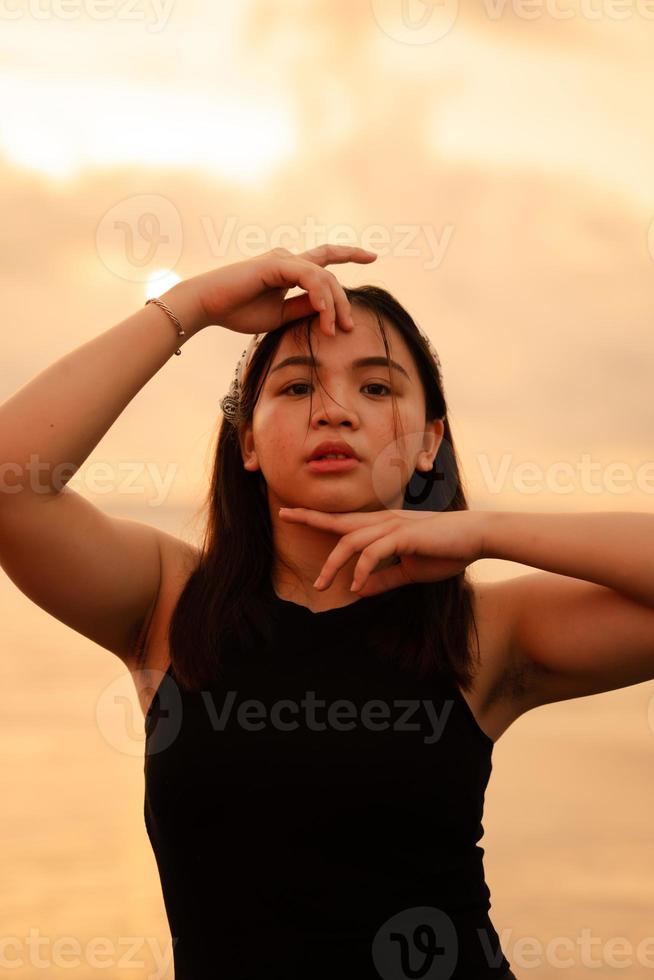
x,y
316,758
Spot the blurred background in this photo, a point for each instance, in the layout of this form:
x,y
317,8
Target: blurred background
x,y
497,157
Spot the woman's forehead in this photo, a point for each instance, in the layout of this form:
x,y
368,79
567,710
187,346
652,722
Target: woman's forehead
x,y
365,339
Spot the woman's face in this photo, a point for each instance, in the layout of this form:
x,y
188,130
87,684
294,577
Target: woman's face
x,y
355,408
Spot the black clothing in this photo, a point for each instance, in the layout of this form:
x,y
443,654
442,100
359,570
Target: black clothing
x,y
330,827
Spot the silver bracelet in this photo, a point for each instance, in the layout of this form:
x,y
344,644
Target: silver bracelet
x,y
170,313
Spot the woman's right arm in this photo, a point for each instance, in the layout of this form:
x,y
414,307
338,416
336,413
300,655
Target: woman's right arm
x,y
98,574
95,573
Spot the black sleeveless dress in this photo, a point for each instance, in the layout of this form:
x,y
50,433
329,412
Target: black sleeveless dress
x,y
316,812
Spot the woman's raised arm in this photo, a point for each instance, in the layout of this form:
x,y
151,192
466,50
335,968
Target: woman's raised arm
x,y
96,573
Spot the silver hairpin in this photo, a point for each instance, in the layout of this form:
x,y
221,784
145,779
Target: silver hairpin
x,y
231,402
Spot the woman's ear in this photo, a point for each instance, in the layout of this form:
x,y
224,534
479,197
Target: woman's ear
x,y
248,452
431,444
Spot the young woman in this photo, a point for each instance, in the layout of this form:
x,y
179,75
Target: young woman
x,y
316,758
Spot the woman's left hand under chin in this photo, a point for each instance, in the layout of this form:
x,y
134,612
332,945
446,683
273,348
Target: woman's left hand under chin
x,y
396,547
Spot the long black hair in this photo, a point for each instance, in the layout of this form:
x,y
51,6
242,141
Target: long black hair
x,y
227,598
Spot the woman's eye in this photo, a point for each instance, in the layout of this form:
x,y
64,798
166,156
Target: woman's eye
x,y
371,384
298,384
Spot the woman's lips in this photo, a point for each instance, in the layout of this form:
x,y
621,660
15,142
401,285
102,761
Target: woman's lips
x,y
332,465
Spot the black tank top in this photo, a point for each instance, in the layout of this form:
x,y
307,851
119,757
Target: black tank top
x,y
316,811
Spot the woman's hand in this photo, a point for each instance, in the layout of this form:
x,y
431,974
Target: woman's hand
x,y
427,547
249,297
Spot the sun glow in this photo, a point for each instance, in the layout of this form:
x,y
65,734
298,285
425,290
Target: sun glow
x,y
62,128
159,282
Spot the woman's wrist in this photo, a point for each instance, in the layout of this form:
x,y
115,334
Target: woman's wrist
x,y
487,520
184,300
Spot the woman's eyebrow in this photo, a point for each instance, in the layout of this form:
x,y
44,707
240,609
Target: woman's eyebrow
x,y
361,362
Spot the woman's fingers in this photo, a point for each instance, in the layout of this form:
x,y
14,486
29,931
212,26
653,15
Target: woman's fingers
x,y
322,297
327,254
318,286
327,296
342,303
381,568
337,523
337,304
375,553
352,544
356,530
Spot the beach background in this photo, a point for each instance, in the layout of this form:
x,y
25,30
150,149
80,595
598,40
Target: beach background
x,y
498,157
